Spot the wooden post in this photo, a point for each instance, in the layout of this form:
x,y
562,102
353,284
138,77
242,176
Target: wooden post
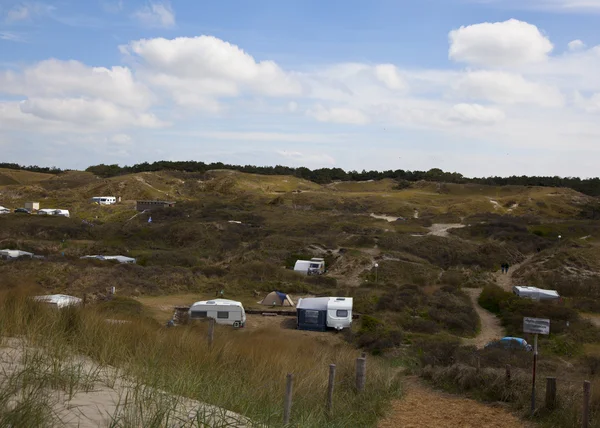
x,y
361,374
550,393
507,375
585,422
211,332
330,389
287,404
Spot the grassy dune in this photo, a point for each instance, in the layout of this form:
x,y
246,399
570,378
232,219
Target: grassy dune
x,y
243,372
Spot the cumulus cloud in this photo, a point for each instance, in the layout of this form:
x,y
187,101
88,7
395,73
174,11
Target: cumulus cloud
x,y
576,45
339,115
195,70
507,43
506,88
156,14
476,113
52,78
388,74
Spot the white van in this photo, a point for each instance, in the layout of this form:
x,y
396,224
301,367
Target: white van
x,y
313,266
223,311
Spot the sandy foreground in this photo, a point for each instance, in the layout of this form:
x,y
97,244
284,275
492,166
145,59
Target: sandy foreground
x,y
80,393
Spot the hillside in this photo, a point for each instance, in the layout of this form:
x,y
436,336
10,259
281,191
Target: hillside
x,y
418,258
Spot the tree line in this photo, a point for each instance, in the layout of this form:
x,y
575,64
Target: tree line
x,y
588,186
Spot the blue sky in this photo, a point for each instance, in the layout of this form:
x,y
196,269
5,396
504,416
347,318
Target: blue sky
x,y
477,86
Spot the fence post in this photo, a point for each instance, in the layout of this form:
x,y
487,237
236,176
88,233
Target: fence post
x,y
361,374
550,393
287,404
330,389
507,378
211,332
585,422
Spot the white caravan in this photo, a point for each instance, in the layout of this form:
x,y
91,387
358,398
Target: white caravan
x,y
321,313
223,311
314,266
59,300
104,200
535,293
54,211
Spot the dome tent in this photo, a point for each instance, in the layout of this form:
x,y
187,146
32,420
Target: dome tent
x,y
276,298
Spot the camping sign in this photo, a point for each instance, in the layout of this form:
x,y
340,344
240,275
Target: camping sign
x,y
536,325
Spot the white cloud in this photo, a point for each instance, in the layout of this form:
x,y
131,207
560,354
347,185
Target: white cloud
x,y
506,88
507,43
156,14
576,45
575,6
388,74
95,113
339,115
11,37
197,70
27,10
52,78
476,113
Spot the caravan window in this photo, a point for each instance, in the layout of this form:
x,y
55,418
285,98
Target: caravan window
x,y
311,317
314,266
341,313
199,314
223,315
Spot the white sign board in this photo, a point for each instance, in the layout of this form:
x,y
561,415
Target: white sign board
x,y
536,325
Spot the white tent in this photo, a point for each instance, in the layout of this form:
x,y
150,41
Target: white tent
x,y
535,293
58,300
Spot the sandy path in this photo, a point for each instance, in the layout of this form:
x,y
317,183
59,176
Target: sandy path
x,y
422,407
441,229
505,280
490,324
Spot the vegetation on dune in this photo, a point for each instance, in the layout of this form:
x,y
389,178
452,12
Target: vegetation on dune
x,y
244,371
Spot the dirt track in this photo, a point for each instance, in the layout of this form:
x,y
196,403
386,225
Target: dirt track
x,y
490,328
422,407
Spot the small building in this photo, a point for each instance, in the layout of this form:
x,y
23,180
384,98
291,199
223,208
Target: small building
x,y
120,259
321,313
535,293
59,300
223,311
14,254
151,205
32,206
104,200
314,266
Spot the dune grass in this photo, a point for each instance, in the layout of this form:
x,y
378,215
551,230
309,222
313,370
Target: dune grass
x,y
243,372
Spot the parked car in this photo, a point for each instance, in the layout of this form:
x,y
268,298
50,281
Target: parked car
x,y
22,211
515,343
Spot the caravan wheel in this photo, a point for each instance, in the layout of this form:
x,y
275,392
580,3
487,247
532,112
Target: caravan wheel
x,y
236,324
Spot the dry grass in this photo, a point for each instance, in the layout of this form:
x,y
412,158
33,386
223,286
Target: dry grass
x,y
243,372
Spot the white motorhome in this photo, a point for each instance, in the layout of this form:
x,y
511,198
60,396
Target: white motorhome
x,y
321,313
314,266
535,293
223,311
104,200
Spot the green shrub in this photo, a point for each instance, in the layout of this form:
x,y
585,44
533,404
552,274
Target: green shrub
x,y
493,297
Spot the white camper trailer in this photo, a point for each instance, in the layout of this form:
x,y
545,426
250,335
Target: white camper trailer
x,y
321,313
535,293
104,200
54,211
223,311
313,266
